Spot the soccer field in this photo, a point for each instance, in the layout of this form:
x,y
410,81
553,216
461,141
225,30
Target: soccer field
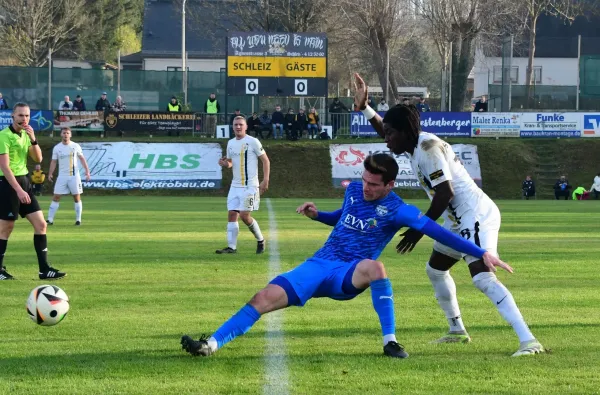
x,y
142,272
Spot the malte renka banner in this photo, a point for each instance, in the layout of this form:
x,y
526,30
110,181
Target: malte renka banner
x,y
126,165
347,163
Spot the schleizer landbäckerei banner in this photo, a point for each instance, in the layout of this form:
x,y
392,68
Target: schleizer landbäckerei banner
x,y
347,163
277,64
126,165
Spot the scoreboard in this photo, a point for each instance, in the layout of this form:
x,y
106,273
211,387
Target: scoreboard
x,y
277,64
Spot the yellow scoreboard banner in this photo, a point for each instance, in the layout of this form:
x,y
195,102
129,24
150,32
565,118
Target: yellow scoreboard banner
x,y
272,66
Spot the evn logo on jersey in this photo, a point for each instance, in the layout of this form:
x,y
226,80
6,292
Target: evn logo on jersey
x,y
359,224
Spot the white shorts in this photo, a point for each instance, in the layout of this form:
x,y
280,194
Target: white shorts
x,y
243,199
68,185
481,227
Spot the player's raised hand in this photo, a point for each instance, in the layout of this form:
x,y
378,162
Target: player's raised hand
x,y
409,240
491,261
308,209
361,92
29,130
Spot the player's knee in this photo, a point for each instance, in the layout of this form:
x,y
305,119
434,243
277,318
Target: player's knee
x,y
484,280
56,198
246,217
6,229
39,228
435,274
263,300
376,270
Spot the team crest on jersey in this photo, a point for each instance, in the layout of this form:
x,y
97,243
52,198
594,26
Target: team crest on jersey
x,y
381,211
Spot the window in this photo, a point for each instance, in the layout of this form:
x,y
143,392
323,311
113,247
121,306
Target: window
x,y
514,74
171,68
537,75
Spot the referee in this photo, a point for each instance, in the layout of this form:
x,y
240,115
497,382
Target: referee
x,y
17,141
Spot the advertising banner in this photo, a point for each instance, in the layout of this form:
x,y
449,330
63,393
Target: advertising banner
x,y
591,125
40,120
495,124
456,124
79,121
566,124
152,121
126,165
347,163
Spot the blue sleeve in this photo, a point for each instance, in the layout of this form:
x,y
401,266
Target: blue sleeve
x,y
331,218
410,216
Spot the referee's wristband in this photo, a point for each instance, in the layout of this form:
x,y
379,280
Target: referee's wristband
x,y
35,142
369,112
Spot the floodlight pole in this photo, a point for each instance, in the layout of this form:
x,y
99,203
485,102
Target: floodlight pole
x,y
183,53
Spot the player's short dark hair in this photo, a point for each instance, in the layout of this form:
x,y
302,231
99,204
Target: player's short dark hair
x,y
405,119
383,164
20,105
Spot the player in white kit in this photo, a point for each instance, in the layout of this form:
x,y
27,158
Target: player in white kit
x,y
68,155
466,210
243,153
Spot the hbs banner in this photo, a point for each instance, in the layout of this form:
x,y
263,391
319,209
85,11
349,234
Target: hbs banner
x,y
455,124
126,165
40,121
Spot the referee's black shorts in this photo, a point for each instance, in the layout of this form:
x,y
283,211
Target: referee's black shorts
x,y
10,206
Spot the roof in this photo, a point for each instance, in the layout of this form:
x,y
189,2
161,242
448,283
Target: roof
x,y
162,31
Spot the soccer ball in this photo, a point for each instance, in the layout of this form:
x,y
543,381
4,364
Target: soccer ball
x,y
47,305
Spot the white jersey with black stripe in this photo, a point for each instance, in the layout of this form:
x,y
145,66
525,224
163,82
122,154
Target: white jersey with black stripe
x,y
433,162
244,154
67,156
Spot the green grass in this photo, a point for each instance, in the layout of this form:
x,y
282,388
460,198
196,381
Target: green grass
x,y
142,272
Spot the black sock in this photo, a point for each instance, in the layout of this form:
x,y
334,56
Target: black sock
x,y
41,249
3,244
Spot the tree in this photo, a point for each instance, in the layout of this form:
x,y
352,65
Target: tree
x,y
461,22
379,27
34,27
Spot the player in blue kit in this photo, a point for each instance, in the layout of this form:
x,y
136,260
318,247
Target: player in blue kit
x,y
346,265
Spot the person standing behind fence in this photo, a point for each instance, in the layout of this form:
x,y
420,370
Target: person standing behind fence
x,y
211,109
337,109
313,123
277,120
481,105
265,121
382,106
66,104
422,106
103,104
79,104
37,180
528,188
3,103
119,105
301,122
174,106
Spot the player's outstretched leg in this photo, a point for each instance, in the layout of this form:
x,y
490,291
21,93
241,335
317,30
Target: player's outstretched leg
x,y
372,273
501,297
445,293
270,298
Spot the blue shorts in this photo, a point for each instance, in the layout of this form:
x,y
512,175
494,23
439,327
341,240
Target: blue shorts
x,y
318,278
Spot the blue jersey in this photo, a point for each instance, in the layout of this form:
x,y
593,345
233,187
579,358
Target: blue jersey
x,y
364,228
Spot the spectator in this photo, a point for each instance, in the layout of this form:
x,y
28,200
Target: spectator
x,y
255,125
119,105
212,107
237,113
406,101
103,104
290,125
66,104
561,188
265,121
313,123
301,122
79,104
481,105
277,121
174,106
596,187
37,180
3,103
383,106
580,194
337,110
422,106
528,188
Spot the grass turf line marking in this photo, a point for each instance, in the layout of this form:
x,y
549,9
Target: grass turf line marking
x,y
276,370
